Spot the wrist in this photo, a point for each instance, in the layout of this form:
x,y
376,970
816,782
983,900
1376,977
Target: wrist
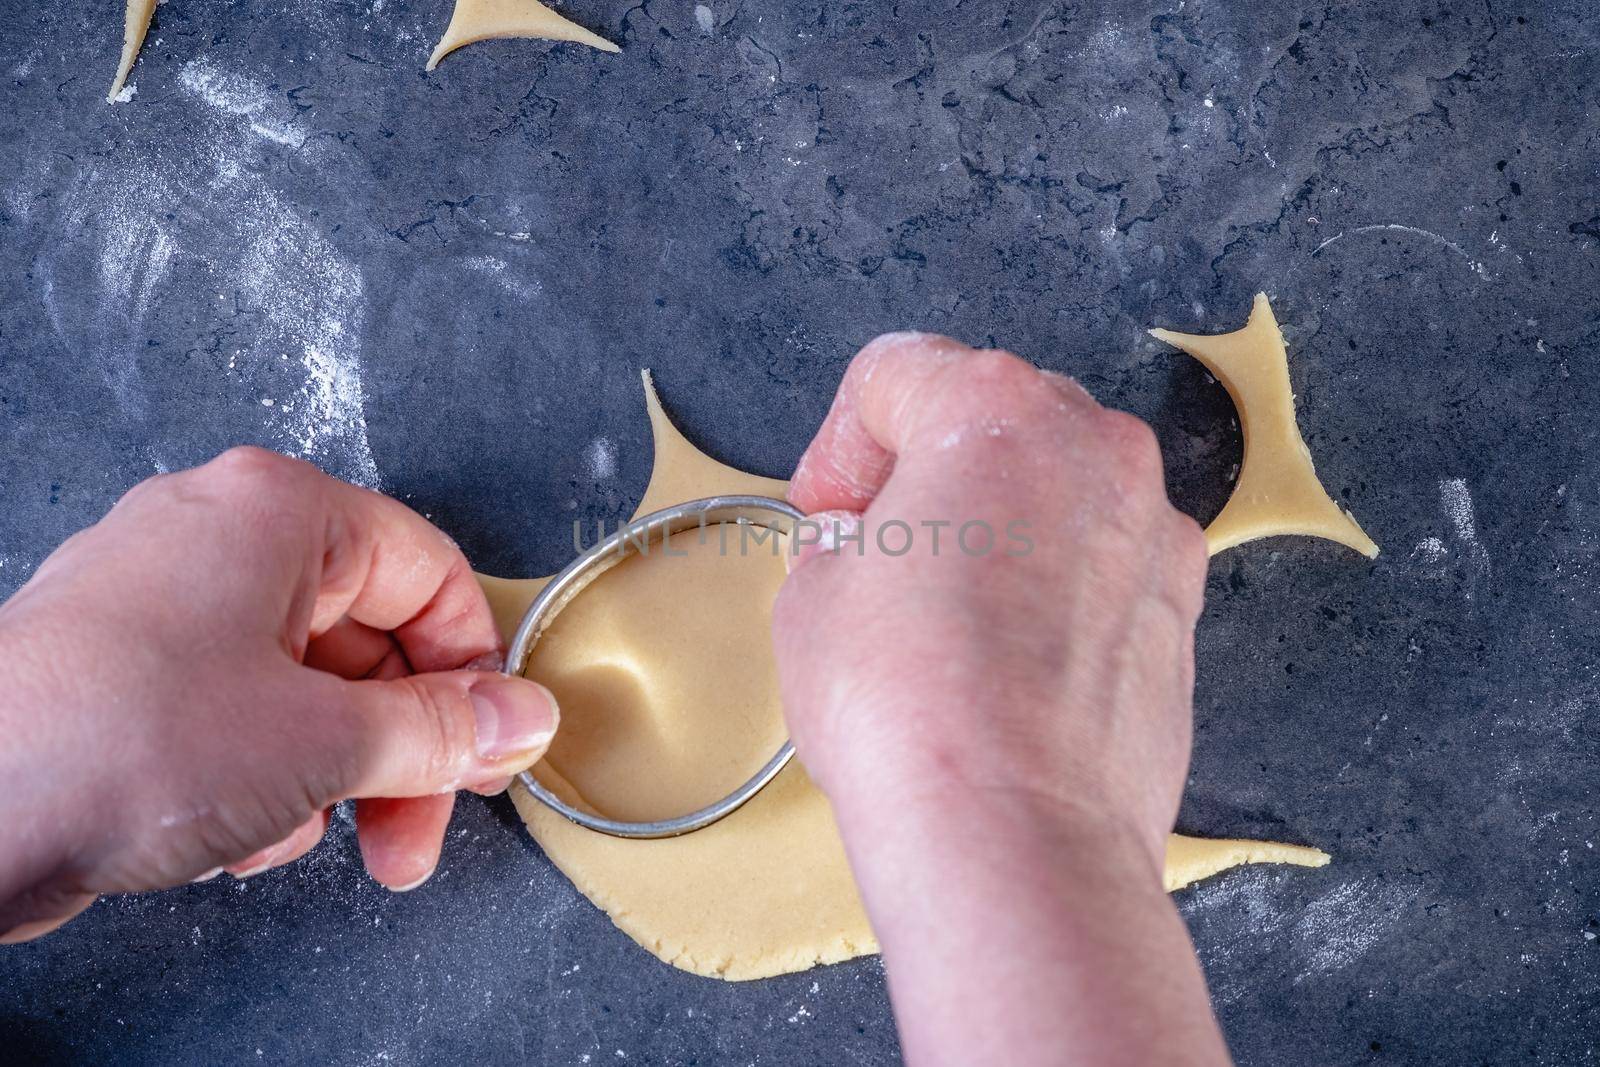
x,y
40,801
1057,917
940,791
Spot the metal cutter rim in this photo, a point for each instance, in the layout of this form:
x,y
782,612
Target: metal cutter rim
x,y
564,587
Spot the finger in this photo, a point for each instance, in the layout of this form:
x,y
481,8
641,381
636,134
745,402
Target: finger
x,y
319,549
847,462
291,848
824,532
353,650
41,915
1069,387
906,393
389,569
401,839
492,788
427,733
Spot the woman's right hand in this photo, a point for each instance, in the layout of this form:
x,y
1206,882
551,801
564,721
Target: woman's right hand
x,y
1001,717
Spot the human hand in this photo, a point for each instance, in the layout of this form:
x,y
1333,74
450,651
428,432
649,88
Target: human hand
x,y
189,685
1049,652
1002,725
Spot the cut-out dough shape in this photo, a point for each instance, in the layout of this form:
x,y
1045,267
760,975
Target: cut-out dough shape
x,y
1278,491
471,21
664,672
481,20
136,23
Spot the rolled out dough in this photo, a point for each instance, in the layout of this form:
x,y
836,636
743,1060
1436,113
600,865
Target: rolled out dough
x,y
480,20
1278,491
664,672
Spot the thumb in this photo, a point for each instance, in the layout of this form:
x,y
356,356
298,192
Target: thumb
x,y
433,733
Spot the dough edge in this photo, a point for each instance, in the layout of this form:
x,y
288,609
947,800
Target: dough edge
x,y
1188,859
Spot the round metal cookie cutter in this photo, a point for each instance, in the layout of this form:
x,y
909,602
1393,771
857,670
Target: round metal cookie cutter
x,y
636,537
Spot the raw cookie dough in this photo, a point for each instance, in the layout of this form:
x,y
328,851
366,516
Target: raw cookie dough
x,y
136,23
480,20
664,672
1278,491
472,21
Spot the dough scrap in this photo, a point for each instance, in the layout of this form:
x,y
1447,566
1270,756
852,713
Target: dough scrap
x,y
480,20
136,23
1278,491
472,21
664,673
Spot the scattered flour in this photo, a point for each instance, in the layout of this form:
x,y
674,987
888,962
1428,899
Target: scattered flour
x,y
269,115
602,459
1255,914
705,18
1456,500
1230,963
1430,550
498,271
1475,266
1343,925
299,304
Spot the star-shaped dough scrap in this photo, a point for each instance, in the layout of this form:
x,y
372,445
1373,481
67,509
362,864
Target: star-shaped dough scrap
x,y
482,20
1278,491
136,23
472,21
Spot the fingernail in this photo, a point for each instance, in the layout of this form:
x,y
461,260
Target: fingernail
x,y
489,661
408,887
263,861
212,873
514,717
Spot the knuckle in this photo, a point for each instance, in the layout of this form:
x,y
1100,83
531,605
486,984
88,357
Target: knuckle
x,y
913,343
443,728
1132,445
1188,557
1190,550
252,472
997,373
994,384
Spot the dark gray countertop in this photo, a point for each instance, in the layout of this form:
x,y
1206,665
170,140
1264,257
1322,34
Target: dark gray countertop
x,y
444,285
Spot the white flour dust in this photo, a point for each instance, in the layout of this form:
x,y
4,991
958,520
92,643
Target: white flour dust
x,y
1341,926
312,298
602,459
1247,920
498,271
134,261
1456,500
288,308
268,113
1474,265
1230,961
1430,550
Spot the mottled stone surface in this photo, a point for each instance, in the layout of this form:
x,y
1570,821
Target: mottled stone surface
x,y
443,285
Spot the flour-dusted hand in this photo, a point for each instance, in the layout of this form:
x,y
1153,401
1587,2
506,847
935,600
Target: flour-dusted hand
x,y
987,664
191,683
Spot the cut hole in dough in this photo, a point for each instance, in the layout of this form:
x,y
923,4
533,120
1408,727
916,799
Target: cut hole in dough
x,y
1278,491
767,890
